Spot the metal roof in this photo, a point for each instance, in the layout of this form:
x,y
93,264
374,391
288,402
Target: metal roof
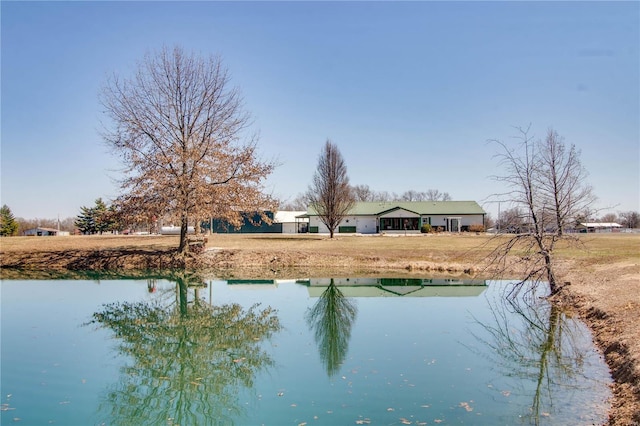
x,y
601,225
421,207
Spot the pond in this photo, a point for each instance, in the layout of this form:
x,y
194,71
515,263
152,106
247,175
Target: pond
x,y
186,350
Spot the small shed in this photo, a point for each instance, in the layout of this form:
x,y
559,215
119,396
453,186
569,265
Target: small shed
x,y
45,232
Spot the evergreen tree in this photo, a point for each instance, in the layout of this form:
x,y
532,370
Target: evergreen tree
x,y
85,221
8,223
97,219
101,217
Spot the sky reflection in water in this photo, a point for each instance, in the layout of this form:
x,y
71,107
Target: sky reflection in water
x,y
184,350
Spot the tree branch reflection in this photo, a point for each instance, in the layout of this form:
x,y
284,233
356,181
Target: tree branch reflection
x,y
542,352
189,360
331,319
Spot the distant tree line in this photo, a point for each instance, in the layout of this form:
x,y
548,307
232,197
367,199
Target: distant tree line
x,y
516,219
362,193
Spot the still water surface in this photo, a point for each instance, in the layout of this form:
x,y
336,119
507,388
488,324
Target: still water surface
x,y
314,352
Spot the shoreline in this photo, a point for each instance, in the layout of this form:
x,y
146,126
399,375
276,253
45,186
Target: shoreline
x,y
604,295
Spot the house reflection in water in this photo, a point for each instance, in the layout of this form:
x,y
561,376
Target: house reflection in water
x,y
385,287
407,287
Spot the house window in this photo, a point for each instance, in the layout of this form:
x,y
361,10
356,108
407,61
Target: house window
x,y
399,223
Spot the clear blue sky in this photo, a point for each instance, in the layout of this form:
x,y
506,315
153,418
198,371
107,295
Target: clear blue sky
x,y
410,92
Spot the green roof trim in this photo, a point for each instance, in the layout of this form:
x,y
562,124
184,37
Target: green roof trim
x,y
375,208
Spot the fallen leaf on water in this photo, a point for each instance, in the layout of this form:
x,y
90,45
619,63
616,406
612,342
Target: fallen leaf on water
x,y
302,424
390,409
506,393
437,420
294,405
545,414
404,421
466,406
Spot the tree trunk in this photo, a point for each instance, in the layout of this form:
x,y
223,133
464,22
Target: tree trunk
x,y
184,228
551,277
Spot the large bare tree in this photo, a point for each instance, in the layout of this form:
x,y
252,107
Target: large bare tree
x,y
330,193
546,183
180,129
562,181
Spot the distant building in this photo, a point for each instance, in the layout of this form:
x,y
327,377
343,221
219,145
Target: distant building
x,y
45,232
291,222
599,227
282,222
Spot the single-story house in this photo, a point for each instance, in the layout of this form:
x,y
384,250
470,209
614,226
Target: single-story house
x,y
45,232
403,217
599,227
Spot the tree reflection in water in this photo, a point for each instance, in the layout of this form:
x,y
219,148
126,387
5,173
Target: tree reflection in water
x,y
331,319
542,349
189,360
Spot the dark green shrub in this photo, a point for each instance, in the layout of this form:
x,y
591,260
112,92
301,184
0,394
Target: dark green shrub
x,y
426,228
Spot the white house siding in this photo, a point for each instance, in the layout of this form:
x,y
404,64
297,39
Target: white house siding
x,y
289,228
441,220
366,225
365,228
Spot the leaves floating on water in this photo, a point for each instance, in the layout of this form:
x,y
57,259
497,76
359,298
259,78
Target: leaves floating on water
x,y
405,421
466,406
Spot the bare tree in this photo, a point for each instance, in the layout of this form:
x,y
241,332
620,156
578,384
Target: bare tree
x,y
435,195
363,193
609,218
511,220
561,180
179,128
298,203
330,194
630,219
546,181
